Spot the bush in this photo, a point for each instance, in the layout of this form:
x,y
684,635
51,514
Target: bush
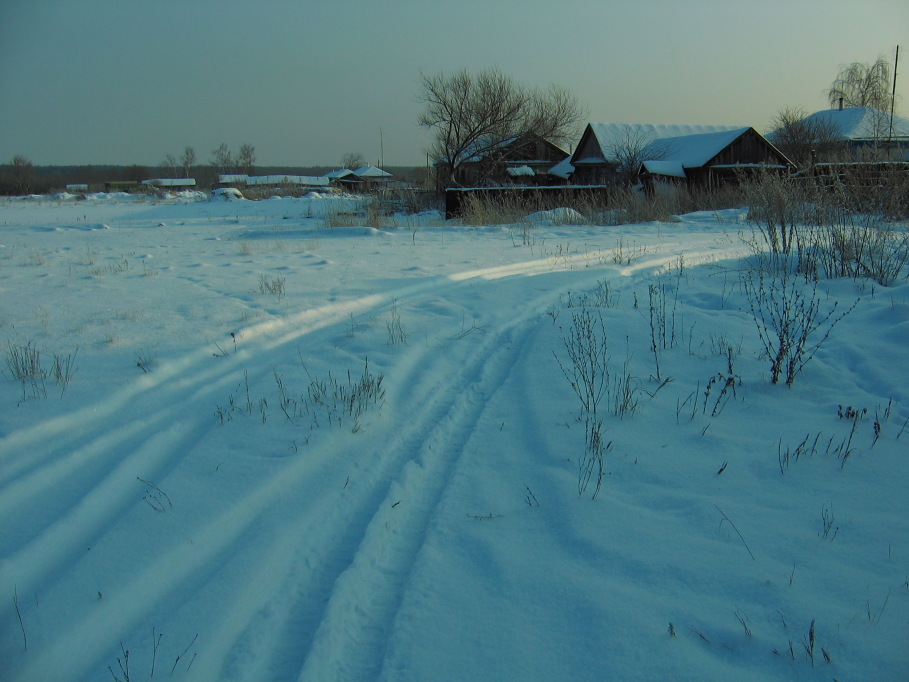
x,y
830,227
788,317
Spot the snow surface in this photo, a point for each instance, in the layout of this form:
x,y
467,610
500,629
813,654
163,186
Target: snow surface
x,y
164,505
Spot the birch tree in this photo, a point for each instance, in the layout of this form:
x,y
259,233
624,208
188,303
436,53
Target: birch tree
x,y
862,85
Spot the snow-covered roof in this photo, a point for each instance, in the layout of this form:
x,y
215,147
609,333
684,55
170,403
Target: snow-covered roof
x,y
229,178
340,173
563,169
694,150
515,171
612,136
310,180
673,169
862,123
483,147
371,172
662,149
170,182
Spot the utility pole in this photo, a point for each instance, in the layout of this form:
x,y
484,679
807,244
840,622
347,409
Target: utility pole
x,y
381,148
896,62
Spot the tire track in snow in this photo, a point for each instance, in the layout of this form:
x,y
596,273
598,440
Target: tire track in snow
x,y
93,464
361,554
338,552
186,388
91,442
358,618
365,598
351,639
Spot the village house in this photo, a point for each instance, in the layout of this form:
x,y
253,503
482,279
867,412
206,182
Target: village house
x,y
520,160
373,178
864,133
697,155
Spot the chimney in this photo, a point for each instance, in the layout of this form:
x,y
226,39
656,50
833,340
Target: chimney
x,y
841,103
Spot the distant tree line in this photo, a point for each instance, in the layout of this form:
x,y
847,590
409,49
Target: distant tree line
x,y
20,176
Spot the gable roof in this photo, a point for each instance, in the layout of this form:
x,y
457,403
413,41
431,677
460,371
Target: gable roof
x,y
485,147
371,172
600,140
695,150
862,123
339,174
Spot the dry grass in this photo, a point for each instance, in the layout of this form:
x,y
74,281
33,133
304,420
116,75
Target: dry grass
x,y
834,226
618,206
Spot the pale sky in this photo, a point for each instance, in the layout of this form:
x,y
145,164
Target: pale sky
x,y
307,81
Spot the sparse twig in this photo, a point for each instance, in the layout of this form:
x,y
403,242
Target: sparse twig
x,y
124,666
396,334
157,499
809,645
19,616
530,498
741,620
726,518
183,653
156,642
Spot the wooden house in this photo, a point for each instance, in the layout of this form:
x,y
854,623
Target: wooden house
x,y
372,178
863,133
520,160
346,179
696,155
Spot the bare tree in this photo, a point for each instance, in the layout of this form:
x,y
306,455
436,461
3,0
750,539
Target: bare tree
x,y
631,148
353,160
246,159
171,165
188,161
21,171
474,115
862,85
222,160
802,138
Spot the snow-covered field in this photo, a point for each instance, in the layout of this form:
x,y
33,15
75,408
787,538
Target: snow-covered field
x,y
184,500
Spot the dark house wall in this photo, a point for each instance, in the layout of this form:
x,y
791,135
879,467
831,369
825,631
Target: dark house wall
x,y
491,170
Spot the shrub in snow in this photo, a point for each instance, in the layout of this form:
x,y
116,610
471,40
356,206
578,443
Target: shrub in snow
x,y
788,316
